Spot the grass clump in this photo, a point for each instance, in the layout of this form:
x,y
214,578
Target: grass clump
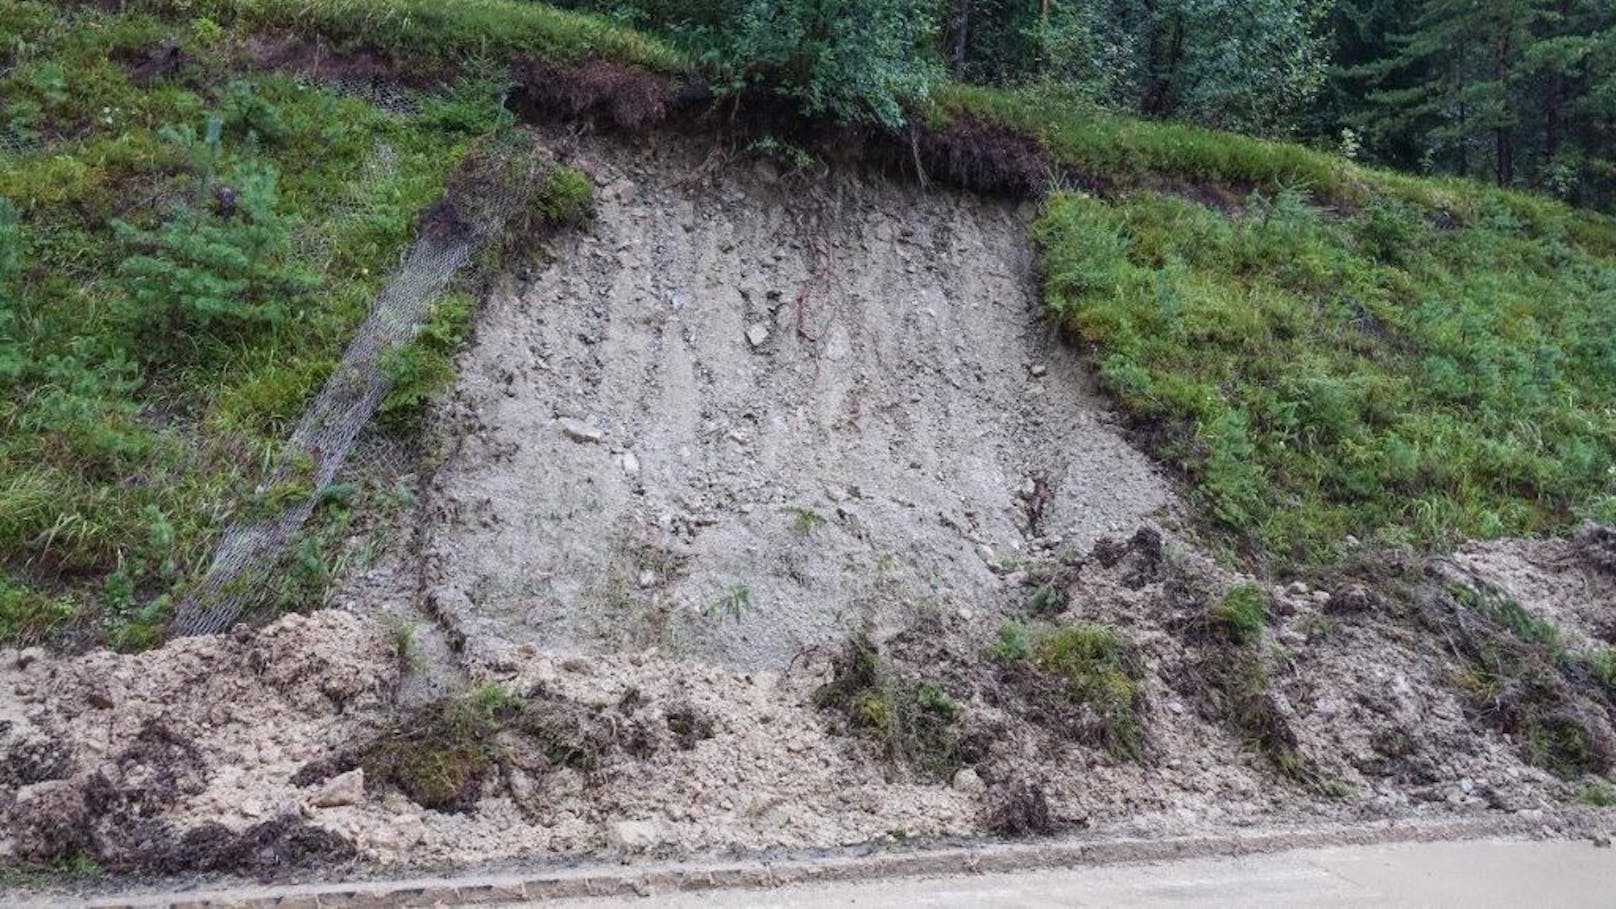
x,y
1230,678
1242,614
913,722
1317,378
1519,676
1097,672
1013,645
1239,686
1599,794
440,757
805,520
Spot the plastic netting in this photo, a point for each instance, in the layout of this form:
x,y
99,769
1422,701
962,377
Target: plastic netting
x,y
487,192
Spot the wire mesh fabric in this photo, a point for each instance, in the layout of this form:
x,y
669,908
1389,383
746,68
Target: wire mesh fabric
x,y
490,188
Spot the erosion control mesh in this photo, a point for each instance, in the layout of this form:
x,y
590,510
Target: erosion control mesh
x,y
494,184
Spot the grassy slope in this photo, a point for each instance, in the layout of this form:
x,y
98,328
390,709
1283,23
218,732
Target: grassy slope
x,y
1399,375
1430,359
126,443
1347,353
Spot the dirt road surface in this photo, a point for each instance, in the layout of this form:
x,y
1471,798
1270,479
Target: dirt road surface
x,y
1472,874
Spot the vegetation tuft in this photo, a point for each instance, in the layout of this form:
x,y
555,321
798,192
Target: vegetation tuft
x,y
1519,676
442,755
1088,680
913,722
1242,614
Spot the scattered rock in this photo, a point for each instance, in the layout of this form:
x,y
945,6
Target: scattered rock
x,y
968,782
343,789
757,334
635,836
1039,370
1351,599
579,431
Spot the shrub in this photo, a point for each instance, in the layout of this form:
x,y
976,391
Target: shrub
x,y
854,60
422,369
216,272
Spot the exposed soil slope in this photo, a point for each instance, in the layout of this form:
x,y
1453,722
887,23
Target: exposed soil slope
x,y
746,420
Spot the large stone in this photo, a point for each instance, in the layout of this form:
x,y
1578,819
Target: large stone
x,y
343,789
635,836
968,782
579,431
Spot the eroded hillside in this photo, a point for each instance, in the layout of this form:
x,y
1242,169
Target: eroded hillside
x,y
741,482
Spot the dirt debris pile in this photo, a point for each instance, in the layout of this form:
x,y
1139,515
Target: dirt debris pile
x,y
259,751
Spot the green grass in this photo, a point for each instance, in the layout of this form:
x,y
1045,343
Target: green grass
x,y
914,723
441,36
1097,668
126,445
1316,377
1088,679
1242,614
1126,151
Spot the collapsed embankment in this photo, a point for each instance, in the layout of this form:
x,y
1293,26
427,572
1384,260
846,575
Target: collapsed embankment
x,y
743,498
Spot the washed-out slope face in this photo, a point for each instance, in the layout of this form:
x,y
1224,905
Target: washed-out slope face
x,y
743,421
